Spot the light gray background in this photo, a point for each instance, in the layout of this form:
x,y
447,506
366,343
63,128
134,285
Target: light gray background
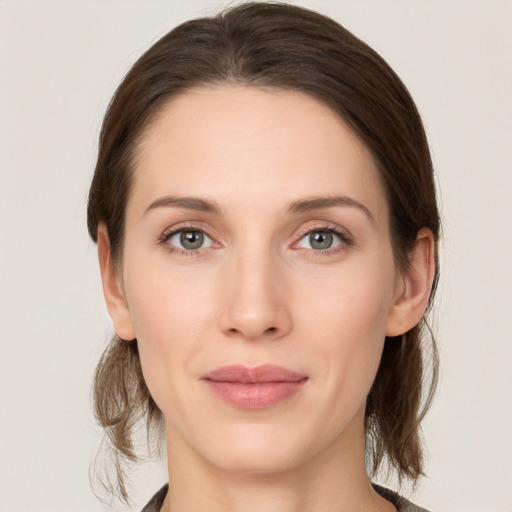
x,y
59,65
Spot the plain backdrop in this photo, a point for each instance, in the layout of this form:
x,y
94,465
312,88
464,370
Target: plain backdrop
x,y
59,65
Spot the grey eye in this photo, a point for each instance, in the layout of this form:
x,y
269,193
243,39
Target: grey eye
x,y
320,240
190,239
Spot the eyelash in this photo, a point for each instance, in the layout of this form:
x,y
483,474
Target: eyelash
x,y
345,240
167,235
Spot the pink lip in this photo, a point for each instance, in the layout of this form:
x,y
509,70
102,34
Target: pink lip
x,y
254,388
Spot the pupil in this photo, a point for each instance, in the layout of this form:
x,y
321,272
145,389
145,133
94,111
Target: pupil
x,y
320,240
191,239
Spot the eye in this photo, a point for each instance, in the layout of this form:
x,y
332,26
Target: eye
x,y
189,239
321,240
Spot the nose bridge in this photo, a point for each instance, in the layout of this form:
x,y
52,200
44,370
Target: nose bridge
x,y
255,306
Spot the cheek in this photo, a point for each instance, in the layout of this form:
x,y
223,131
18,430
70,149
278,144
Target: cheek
x,y
164,298
346,318
352,341
172,313
353,301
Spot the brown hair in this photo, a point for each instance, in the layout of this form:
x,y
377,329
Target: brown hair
x,y
292,48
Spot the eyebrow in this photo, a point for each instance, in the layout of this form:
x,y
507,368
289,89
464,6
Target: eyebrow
x,y
188,203
299,206
317,203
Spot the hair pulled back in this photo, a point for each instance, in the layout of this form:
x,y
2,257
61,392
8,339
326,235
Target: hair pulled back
x,y
287,47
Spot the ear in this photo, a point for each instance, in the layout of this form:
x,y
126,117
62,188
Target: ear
x,y
413,286
113,289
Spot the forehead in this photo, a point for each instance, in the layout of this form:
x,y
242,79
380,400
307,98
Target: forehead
x,y
241,142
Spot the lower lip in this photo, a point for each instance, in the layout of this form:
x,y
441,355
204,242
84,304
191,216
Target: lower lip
x,y
259,395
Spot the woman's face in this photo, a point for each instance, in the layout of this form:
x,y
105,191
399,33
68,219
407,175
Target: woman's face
x,y
257,234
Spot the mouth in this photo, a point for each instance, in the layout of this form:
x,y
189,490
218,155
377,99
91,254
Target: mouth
x,y
259,387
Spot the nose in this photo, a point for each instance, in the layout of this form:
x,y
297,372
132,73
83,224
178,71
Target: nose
x,y
255,303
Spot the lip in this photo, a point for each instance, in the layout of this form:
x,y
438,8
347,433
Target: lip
x,y
258,387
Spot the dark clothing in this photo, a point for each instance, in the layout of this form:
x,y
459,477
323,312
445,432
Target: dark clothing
x,y
401,504
156,502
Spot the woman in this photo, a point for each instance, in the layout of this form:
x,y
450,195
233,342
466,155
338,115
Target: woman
x,y
267,229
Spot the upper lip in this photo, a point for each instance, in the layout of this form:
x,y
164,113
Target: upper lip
x,y
256,374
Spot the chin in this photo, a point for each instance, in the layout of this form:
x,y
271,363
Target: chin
x,y
262,449
257,461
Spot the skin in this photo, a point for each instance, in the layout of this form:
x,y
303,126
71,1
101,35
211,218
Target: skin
x,y
259,292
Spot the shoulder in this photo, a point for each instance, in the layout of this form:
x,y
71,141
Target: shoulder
x,y
401,503
156,502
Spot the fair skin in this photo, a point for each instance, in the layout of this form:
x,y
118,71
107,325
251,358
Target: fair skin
x,y
260,265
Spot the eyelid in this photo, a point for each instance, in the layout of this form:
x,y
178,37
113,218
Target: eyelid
x,y
343,234
179,231
167,234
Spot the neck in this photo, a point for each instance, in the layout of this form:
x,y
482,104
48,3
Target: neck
x,y
334,479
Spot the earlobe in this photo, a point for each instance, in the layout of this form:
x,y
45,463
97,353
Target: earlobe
x,y
113,289
413,290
